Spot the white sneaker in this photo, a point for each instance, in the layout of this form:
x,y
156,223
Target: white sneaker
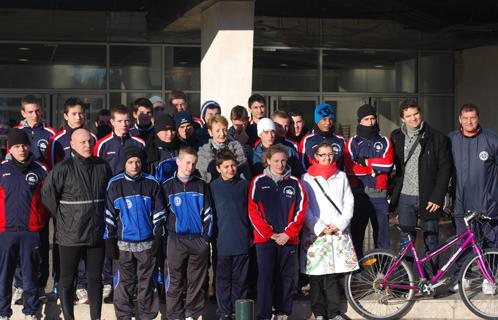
x,y
4,318
466,286
31,317
488,288
106,291
17,295
82,296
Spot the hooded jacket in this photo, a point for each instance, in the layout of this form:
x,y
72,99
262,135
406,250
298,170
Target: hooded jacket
x,y
74,193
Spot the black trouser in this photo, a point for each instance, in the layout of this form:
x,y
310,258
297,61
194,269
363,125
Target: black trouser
x,y
324,295
377,211
276,267
231,282
69,259
135,272
187,266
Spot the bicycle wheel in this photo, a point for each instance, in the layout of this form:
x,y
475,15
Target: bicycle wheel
x,y
365,295
477,294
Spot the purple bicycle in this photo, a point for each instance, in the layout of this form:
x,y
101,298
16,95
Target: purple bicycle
x,y
385,286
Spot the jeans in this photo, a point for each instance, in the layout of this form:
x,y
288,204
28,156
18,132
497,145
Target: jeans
x,y
408,212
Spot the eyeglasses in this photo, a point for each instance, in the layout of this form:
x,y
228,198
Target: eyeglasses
x,y
322,155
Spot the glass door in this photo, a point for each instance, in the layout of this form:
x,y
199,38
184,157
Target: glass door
x,y
303,104
345,108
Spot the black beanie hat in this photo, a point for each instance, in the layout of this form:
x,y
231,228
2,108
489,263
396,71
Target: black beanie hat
x,y
365,110
163,121
133,151
17,136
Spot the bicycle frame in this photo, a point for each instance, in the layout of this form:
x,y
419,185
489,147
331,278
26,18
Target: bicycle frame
x,y
468,239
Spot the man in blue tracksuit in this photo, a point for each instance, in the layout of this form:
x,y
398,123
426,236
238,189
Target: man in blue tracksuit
x,y
111,149
475,157
189,226
368,160
22,217
134,226
323,130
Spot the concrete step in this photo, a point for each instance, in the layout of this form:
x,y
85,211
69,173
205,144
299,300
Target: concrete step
x,y
450,307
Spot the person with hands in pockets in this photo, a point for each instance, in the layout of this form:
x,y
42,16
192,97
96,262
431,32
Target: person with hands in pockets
x,y
134,226
327,247
277,206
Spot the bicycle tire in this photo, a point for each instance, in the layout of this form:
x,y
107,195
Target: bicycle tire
x,y
372,272
472,292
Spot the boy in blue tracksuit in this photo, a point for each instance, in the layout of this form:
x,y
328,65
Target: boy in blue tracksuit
x,y
233,233
134,226
189,226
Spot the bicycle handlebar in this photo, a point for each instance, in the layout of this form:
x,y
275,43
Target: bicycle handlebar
x,y
476,215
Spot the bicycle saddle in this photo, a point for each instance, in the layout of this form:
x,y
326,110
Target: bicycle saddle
x,y
407,229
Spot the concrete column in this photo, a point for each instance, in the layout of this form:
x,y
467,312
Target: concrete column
x,y
227,34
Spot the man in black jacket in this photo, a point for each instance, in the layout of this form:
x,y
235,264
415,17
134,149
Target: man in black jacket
x,y
74,193
422,158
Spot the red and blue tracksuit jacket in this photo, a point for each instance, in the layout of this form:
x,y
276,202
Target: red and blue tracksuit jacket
x,y
39,137
380,157
276,207
111,147
311,140
59,147
21,208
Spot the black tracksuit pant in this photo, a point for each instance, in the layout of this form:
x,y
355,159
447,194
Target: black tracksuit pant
x,y
231,282
187,270
135,274
20,246
276,267
69,260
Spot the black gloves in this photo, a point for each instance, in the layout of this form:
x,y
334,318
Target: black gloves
x,y
362,161
111,248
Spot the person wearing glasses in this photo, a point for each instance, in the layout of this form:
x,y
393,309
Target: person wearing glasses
x,y
327,250
369,161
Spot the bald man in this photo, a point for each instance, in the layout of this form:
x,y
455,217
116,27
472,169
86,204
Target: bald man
x,y
74,193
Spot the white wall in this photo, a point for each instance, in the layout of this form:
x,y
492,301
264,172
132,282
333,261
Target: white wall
x,y
476,81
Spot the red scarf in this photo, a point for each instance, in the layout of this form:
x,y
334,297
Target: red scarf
x,y
320,170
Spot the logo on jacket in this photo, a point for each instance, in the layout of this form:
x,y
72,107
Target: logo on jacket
x,y
289,191
378,146
42,145
177,201
129,204
32,179
484,155
336,149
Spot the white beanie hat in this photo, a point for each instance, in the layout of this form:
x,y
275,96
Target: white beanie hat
x,y
265,124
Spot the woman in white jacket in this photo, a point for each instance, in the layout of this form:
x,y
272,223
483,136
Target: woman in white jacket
x,y
327,248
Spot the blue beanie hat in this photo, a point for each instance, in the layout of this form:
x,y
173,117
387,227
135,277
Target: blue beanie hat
x,y
208,104
324,110
183,117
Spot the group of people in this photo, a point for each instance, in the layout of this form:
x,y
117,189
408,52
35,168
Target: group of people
x,y
144,207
